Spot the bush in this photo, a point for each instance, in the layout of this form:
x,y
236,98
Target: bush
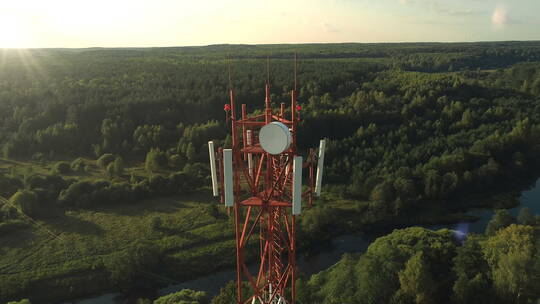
x,y
178,182
62,168
176,161
132,263
118,166
12,226
26,201
7,212
78,165
158,185
105,160
53,182
156,223
9,185
85,194
110,170
24,301
184,296
155,160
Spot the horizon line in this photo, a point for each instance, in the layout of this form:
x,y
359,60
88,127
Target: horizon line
x,y
267,44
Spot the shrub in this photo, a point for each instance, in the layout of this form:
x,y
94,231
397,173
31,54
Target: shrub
x,y
156,223
105,160
155,160
78,165
12,226
53,182
26,201
110,170
24,301
118,168
132,263
176,161
158,184
7,212
62,168
76,193
85,194
9,185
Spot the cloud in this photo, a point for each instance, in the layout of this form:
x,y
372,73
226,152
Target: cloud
x,y
500,17
444,10
329,28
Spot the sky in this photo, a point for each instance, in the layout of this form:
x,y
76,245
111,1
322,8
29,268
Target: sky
x,y
146,23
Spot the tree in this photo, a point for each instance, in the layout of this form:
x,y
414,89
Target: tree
x,y
227,294
513,260
500,219
185,296
388,256
525,217
471,269
383,192
154,160
432,182
416,281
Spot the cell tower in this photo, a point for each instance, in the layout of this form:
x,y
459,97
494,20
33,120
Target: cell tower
x,y
260,177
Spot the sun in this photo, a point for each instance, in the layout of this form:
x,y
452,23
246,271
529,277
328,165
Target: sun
x,y
12,33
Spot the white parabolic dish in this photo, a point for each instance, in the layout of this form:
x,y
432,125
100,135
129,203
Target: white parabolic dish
x,y
275,137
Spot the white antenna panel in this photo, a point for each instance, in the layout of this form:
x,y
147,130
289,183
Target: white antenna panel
x,y
275,137
250,156
320,168
297,186
228,177
213,168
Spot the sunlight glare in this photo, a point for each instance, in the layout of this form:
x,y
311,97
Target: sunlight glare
x,y
11,32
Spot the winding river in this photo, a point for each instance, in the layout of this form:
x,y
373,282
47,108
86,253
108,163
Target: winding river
x,y
331,254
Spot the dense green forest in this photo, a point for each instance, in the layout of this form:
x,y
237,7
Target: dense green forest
x,y
416,265
104,150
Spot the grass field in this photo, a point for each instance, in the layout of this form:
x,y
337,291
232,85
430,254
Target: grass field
x,y
33,258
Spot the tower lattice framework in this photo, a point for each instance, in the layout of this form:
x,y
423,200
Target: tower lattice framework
x,y
262,202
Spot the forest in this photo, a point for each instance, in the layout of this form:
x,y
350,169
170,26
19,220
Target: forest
x,y
104,175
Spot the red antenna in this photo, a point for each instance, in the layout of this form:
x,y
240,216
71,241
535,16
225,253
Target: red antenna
x,y
261,178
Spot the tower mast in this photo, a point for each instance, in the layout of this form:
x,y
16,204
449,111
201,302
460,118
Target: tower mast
x,y
262,182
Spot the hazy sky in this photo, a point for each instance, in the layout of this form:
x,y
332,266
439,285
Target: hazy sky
x,y
116,23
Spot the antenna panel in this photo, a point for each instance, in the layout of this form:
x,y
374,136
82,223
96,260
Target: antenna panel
x,y
213,171
250,156
228,177
320,168
297,186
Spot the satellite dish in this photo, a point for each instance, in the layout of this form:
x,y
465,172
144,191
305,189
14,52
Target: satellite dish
x,y
275,137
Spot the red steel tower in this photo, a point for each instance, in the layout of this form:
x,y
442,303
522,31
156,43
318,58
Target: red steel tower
x,y
260,177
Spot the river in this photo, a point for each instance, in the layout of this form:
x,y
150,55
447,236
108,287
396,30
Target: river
x,y
329,255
